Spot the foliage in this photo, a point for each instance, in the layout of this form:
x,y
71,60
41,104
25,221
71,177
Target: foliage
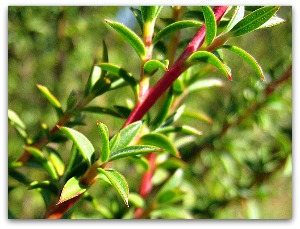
x,y
154,120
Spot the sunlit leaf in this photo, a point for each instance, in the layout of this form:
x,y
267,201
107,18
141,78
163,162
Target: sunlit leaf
x,y
172,183
71,189
118,182
211,25
152,66
132,151
204,83
84,146
149,13
51,98
161,141
238,15
246,57
175,27
17,123
254,20
170,212
136,43
136,200
56,160
273,21
208,57
183,129
105,152
125,136
142,161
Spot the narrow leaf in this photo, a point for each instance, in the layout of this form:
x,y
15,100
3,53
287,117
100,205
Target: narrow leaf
x,y
211,25
247,57
120,72
44,185
51,98
238,15
142,161
204,83
173,182
92,80
273,21
160,140
198,115
130,37
152,66
183,129
138,15
204,56
132,151
136,200
149,13
35,152
84,146
118,182
125,136
71,189
254,20
56,160
17,123
101,110
175,27
71,101
105,152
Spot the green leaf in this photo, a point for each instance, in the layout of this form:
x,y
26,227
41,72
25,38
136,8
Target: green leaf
x,y
84,146
254,20
175,116
123,111
101,110
238,15
118,182
105,152
199,115
183,129
204,56
44,185
35,152
118,71
170,212
164,110
161,141
71,189
247,57
51,98
138,15
149,13
143,162
136,43
125,136
173,182
175,27
211,25
273,21
170,196
152,66
204,83
132,151
136,200
92,80
17,123
71,101
56,160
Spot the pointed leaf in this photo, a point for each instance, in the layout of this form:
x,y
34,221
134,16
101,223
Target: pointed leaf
x,y
93,79
273,21
101,110
35,152
149,13
175,27
118,182
160,140
71,189
132,151
254,20
130,37
51,98
175,116
204,83
105,152
204,56
71,101
183,129
152,66
125,136
247,57
211,24
84,146
198,115
173,182
238,15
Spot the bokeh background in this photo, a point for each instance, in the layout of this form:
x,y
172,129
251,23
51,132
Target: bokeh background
x,y
245,172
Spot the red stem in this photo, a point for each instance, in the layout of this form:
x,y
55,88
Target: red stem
x,y
175,71
150,98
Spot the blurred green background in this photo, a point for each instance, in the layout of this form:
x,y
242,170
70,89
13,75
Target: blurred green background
x,y
56,47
